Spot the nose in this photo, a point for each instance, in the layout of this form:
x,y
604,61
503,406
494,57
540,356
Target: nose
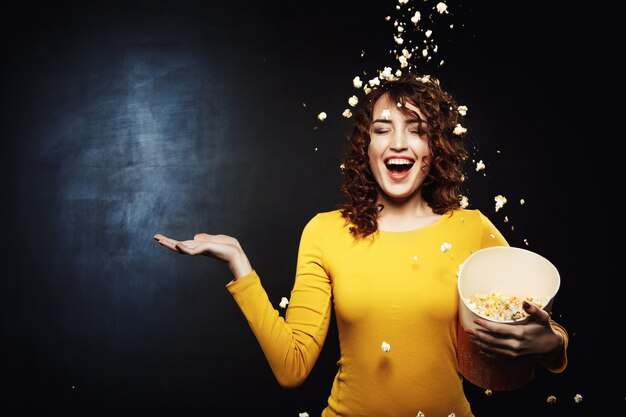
x,y
399,141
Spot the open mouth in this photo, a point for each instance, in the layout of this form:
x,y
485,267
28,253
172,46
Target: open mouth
x,y
399,165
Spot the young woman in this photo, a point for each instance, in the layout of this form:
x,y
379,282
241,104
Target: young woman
x,y
387,262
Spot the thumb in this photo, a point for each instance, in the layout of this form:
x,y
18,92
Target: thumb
x,y
534,311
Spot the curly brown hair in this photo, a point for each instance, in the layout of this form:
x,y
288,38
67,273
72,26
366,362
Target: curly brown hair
x,y
441,189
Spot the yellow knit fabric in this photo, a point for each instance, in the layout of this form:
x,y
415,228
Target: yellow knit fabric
x,y
393,287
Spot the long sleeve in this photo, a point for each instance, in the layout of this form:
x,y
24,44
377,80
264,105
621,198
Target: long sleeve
x,y
293,344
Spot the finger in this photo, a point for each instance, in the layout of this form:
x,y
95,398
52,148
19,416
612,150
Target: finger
x,y
168,243
536,312
499,331
489,354
159,236
182,248
492,326
189,247
508,340
497,346
494,352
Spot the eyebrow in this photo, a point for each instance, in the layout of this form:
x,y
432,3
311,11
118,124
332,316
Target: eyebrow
x,y
407,121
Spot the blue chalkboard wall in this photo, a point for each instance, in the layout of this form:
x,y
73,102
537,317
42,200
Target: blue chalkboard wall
x,y
124,119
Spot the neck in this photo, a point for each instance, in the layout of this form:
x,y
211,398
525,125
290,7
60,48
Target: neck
x,y
410,214
415,206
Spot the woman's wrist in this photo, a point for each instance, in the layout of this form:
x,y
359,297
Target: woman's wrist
x,y
240,265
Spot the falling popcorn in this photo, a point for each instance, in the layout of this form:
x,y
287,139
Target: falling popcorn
x,y
322,116
353,100
488,392
428,33
459,130
347,113
374,81
578,398
305,414
420,414
500,202
462,110
480,165
385,347
445,246
386,74
522,202
551,399
464,201
398,40
356,81
442,7
416,17
283,302
451,415
386,114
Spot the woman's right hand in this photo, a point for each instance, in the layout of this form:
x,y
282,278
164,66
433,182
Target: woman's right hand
x,y
222,247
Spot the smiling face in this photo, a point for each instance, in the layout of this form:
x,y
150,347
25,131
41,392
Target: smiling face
x,y
399,153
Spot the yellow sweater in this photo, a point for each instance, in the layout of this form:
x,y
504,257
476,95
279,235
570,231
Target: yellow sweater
x,y
393,287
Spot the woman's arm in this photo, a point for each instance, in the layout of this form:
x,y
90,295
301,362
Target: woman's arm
x,y
293,344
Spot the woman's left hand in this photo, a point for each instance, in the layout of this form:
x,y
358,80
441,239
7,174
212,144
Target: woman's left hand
x,y
535,336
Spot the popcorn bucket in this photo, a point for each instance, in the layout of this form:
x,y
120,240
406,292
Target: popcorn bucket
x,y
509,271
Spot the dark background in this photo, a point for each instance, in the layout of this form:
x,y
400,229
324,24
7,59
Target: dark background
x,y
121,120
